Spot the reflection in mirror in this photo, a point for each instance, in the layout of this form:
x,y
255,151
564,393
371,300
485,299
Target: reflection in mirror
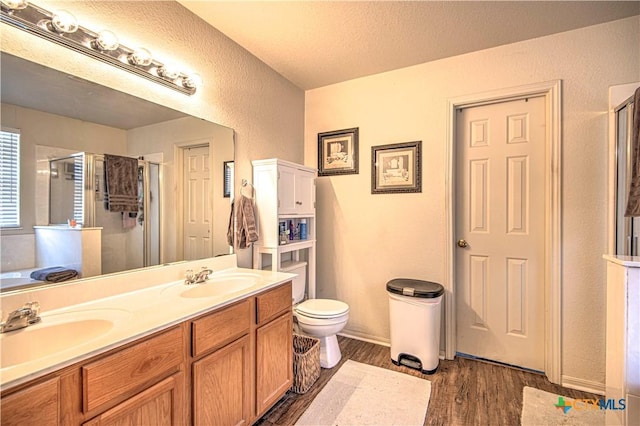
x,y
66,124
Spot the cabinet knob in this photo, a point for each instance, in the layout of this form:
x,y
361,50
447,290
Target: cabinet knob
x,y
299,203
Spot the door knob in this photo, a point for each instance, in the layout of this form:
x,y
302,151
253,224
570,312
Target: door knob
x,y
463,243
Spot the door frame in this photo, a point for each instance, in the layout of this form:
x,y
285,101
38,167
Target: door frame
x,y
178,157
551,90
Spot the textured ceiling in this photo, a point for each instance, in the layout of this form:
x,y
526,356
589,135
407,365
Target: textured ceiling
x,y
316,43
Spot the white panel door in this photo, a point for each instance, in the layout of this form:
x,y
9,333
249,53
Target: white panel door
x,y
500,151
197,203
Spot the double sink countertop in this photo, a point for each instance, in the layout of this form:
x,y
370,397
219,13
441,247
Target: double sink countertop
x,y
74,332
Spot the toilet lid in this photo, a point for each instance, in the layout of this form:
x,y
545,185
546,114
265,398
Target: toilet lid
x,y
322,308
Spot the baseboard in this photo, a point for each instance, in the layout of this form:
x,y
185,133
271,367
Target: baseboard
x,y
365,338
583,385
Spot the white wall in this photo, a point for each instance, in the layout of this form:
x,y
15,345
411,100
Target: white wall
x,y
265,110
364,240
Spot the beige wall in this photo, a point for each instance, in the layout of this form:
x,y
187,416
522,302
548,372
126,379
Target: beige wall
x,y
364,240
265,110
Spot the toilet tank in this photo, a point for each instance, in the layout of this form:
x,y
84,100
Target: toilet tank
x,y
300,282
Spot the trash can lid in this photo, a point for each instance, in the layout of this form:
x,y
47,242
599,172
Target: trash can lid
x,y
415,288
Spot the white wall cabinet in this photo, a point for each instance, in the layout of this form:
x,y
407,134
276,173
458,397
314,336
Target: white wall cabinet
x,y
285,192
623,339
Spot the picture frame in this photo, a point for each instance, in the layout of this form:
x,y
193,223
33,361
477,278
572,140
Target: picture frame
x,y
227,181
396,168
338,152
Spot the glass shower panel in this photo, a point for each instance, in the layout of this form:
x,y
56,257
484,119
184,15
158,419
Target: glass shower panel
x,y
153,211
117,230
66,189
627,229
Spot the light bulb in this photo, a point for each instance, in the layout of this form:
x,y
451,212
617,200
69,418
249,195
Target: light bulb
x,y
64,22
192,81
141,57
14,4
106,41
169,72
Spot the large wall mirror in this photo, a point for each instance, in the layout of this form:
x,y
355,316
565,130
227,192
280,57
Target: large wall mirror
x,y
66,125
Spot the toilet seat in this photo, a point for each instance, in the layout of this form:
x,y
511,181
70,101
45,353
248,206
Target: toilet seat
x,y
322,308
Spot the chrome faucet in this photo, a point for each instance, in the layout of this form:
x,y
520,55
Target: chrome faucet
x,y
200,277
203,275
22,317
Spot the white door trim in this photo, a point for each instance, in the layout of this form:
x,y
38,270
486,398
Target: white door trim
x,y
551,90
178,161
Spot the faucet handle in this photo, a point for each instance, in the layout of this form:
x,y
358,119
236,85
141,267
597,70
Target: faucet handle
x,y
34,306
33,309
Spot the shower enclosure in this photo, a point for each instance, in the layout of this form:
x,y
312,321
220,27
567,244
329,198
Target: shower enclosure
x,y
77,192
627,228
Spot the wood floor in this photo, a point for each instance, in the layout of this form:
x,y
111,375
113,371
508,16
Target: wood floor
x,y
463,391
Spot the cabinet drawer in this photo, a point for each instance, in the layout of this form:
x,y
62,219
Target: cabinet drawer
x,y
131,369
161,404
273,303
219,328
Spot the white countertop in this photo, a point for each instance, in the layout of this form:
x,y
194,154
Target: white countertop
x,y
629,261
135,314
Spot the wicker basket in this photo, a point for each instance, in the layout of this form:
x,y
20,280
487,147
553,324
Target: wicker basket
x,y
306,362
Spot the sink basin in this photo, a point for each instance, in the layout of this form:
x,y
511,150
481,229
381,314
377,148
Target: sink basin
x,y
221,284
56,333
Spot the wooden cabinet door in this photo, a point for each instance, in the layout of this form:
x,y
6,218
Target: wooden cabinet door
x,y
161,404
36,405
274,361
221,385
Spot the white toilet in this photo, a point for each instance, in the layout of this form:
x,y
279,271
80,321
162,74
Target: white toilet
x,y
320,318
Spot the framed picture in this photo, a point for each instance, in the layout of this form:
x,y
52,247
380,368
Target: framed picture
x,y
227,173
396,168
338,152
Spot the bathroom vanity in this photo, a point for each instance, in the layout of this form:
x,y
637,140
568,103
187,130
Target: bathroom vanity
x,y
623,339
213,353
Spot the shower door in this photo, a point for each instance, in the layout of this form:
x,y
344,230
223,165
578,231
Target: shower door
x,y
627,228
129,240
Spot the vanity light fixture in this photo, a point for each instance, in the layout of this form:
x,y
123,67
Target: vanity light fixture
x,y
61,27
63,22
106,41
140,57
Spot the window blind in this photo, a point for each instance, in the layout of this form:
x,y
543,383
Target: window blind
x,y
9,178
78,189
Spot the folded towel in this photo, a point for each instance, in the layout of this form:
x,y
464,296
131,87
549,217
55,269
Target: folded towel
x,y
633,202
54,274
121,180
247,232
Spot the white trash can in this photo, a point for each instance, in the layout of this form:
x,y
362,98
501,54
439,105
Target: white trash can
x,y
415,309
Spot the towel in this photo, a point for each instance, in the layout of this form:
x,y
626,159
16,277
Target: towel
x,y
54,274
633,202
246,231
230,230
121,180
